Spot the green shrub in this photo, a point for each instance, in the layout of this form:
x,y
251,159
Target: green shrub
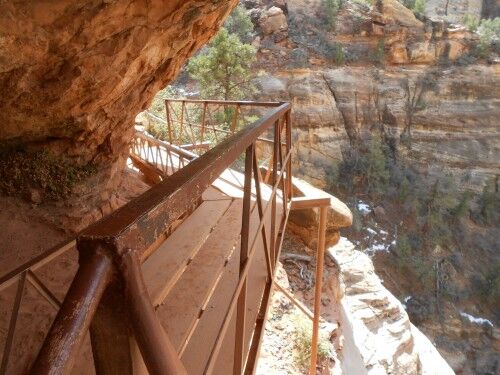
x,y
489,35
380,52
332,7
419,8
223,70
240,23
339,54
303,337
471,22
365,167
462,208
490,203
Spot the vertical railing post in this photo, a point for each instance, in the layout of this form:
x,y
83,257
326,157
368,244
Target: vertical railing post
x,y
235,119
111,336
240,337
169,123
183,106
288,148
157,350
70,326
317,291
203,121
276,146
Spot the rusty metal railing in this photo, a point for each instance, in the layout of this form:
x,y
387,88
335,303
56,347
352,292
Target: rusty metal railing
x,y
21,277
157,159
199,125
108,294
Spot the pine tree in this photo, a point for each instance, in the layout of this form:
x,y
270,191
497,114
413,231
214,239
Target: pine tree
x,y
223,70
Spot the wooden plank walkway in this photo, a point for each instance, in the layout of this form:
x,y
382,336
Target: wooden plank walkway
x,y
192,276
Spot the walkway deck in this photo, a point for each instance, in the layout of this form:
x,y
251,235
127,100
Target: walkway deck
x,y
190,277
178,279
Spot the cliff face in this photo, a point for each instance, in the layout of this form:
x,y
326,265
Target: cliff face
x,y
73,75
351,79
378,335
456,129
455,125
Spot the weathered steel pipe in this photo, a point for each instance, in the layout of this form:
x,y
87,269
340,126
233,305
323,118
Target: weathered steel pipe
x,y
228,102
157,351
68,330
317,292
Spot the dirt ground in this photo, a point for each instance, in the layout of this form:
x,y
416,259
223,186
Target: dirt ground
x,y
280,351
27,232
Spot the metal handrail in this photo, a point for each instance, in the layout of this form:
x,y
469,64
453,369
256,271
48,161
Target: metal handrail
x,y
135,228
215,129
229,102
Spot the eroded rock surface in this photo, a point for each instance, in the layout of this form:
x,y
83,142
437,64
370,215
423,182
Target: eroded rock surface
x,y
378,335
73,75
457,128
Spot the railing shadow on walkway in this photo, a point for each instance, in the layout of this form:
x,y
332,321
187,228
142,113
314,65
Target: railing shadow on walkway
x,y
109,278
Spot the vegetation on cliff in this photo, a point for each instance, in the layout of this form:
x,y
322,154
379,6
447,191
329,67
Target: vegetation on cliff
x,y
431,217
223,69
39,175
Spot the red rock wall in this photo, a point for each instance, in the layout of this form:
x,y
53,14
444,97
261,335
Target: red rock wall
x,y
73,74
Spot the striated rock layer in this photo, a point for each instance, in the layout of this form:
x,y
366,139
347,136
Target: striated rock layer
x,y
74,74
456,126
378,335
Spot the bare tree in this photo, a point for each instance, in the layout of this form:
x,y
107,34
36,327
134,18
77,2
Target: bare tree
x,y
414,95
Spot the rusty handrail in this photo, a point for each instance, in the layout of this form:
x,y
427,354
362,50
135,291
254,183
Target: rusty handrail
x,y
214,129
9,277
164,203
229,102
134,228
178,150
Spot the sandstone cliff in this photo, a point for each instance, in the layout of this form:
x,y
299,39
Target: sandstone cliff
x,y
73,75
378,335
333,106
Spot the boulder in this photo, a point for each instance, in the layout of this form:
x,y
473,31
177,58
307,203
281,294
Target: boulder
x,y
273,20
394,12
304,223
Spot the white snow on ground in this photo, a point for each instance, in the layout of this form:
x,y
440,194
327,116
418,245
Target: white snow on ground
x,y
378,247
377,240
475,320
405,301
363,207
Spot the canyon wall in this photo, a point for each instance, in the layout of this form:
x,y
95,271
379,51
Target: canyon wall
x,y
456,129
455,126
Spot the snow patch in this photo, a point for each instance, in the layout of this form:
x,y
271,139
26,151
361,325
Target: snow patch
x,y
363,207
476,320
405,301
